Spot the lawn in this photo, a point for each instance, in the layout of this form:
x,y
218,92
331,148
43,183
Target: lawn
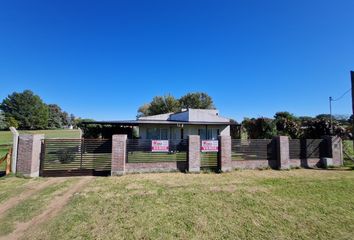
x,y
6,138
296,204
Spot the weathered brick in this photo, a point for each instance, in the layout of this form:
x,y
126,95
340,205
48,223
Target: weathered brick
x,y
225,161
119,153
29,154
194,153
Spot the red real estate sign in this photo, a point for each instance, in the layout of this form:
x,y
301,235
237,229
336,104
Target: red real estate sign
x,y
159,146
210,146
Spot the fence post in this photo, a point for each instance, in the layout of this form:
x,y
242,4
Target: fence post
x,y
225,153
29,154
283,155
334,151
194,154
119,153
15,135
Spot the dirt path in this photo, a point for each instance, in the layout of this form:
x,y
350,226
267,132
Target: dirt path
x,y
13,201
54,207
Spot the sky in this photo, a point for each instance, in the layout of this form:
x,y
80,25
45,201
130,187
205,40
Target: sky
x,y
103,59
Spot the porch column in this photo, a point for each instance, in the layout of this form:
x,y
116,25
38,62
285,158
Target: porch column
x,y
194,154
119,153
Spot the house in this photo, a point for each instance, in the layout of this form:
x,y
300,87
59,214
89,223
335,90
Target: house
x,y
207,123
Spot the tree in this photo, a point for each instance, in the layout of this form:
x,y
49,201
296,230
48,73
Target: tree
x,y
55,116
287,124
167,104
317,128
159,105
260,128
27,109
3,124
198,100
144,110
11,122
235,129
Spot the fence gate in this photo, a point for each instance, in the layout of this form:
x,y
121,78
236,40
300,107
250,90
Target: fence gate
x,y
75,157
209,155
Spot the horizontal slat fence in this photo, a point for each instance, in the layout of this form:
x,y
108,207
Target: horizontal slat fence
x,y
208,159
307,148
253,149
77,154
139,151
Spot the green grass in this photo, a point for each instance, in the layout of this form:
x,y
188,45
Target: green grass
x,y
11,186
30,207
296,204
6,136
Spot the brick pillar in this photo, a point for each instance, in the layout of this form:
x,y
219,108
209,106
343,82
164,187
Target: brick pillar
x,y
225,153
194,154
29,154
283,155
119,153
334,151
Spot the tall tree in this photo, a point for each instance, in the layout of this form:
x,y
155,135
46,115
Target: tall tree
x,y
3,124
198,100
159,105
55,116
27,109
166,104
260,128
287,124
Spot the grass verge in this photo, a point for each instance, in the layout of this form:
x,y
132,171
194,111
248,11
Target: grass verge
x,y
30,207
297,204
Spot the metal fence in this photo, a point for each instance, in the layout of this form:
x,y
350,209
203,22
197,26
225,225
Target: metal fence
x,y
140,151
253,149
65,156
307,148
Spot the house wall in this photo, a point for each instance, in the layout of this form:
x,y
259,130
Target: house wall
x,y
174,132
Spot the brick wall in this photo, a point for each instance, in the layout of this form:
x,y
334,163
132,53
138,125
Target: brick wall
x,y
29,154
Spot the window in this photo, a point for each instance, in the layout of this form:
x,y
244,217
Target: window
x,y
157,133
202,134
152,133
164,134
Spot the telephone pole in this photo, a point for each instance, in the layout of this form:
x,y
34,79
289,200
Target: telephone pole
x,y
352,77
330,114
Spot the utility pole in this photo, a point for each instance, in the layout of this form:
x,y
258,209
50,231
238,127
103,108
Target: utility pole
x,y
352,77
330,114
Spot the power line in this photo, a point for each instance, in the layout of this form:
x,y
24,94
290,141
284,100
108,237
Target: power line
x,y
337,99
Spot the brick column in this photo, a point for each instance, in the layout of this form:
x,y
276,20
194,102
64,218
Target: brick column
x,y
283,155
194,154
29,154
225,164
119,153
334,151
